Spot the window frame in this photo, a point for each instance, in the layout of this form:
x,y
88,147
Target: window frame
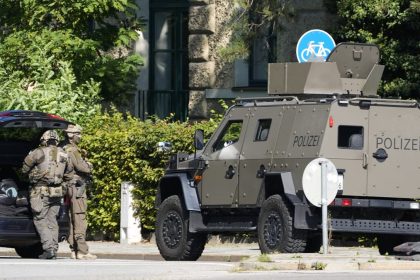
x,y
258,131
215,146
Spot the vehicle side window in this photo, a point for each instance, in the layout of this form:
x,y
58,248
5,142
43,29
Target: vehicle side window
x,y
350,137
262,130
229,136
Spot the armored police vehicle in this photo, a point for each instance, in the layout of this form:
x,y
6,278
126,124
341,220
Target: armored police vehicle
x,y
248,176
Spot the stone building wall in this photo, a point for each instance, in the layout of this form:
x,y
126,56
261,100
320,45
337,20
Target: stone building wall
x,y
310,14
208,33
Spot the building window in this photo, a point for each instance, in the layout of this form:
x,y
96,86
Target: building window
x,y
262,52
350,137
168,78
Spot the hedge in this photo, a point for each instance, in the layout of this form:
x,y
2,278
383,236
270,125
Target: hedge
x,y
123,148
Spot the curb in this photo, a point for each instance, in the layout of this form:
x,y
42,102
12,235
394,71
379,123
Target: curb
x,y
148,257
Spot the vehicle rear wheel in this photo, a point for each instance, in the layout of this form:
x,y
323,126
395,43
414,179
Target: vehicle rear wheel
x,y
387,242
29,252
313,243
275,228
173,239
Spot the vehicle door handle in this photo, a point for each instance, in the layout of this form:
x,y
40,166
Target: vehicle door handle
x,y
365,160
380,155
230,172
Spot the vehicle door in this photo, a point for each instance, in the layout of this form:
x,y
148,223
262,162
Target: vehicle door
x,y
220,177
257,152
345,143
394,151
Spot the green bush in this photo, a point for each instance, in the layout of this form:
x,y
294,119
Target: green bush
x,y
125,149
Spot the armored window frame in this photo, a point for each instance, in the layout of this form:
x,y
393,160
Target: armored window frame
x,y
263,130
350,137
229,135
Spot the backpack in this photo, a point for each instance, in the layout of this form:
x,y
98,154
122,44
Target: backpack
x,y
53,165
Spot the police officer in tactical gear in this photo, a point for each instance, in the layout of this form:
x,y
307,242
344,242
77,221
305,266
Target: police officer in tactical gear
x,y
49,170
77,194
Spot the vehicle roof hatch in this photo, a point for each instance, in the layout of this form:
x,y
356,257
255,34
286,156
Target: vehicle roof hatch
x,y
358,66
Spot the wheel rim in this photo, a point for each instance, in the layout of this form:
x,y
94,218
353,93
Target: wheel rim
x,y
272,230
172,229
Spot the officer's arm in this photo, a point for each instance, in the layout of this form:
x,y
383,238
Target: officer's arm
x,y
68,172
79,163
33,158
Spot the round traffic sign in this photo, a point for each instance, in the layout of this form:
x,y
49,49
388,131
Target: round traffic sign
x,y
314,45
311,181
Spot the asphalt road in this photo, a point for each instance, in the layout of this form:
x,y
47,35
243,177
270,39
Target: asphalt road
x,y
104,269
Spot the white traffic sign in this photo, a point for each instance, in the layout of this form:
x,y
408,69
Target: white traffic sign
x,y
311,181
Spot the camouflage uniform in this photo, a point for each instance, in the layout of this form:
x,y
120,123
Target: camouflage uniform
x,y
77,195
49,170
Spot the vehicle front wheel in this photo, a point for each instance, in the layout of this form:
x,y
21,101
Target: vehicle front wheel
x,y
173,239
275,228
29,252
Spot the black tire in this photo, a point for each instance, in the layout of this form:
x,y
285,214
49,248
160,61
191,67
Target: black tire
x,y
29,252
275,228
313,243
387,242
174,241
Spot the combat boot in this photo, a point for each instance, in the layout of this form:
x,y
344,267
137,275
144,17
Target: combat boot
x,y
47,255
87,256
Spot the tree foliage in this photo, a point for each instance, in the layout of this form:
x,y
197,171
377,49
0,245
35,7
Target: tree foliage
x,y
254,19
60,95
93,36
394,25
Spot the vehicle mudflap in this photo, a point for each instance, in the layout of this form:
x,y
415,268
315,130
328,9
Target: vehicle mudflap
x,y
196,222
304,216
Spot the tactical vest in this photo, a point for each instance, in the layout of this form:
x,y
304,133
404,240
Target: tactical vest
x,y
53,165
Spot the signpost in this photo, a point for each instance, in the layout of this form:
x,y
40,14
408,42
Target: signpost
x,y
314,45
320,185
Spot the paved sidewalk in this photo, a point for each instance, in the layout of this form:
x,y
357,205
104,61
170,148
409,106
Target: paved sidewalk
x,y
338,259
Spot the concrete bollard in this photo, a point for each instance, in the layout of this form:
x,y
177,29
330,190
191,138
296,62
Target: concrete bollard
x,y
130,230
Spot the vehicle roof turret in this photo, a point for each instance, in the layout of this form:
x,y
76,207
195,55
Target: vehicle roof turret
x,y
351,68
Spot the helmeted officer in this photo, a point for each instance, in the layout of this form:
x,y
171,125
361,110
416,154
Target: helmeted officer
x,y
49,170
77,194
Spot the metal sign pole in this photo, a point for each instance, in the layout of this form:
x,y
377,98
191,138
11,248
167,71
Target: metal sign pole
x,y
324,207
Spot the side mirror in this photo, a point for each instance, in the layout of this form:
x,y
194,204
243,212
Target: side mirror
x,y
164,146
199,139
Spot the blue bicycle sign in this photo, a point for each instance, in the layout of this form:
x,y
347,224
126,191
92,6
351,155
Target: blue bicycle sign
x,y
314,45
